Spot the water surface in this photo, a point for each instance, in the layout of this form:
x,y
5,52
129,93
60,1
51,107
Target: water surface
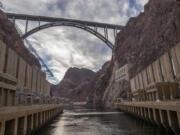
x,y
81,121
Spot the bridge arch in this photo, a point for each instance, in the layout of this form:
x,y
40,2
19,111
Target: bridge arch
x,y
72,24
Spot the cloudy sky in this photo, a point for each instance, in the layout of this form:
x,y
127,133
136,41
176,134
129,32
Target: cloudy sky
x,y
64,47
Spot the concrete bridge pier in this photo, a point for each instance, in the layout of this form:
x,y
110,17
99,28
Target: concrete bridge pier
x,y
35,122
151,116
156,115
39,119
22,128
29,124
138,111
146,114
164,119
143,113
11,127
2,127
178,115
173,121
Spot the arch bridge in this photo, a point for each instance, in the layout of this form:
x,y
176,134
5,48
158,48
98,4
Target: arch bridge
x,y
91,27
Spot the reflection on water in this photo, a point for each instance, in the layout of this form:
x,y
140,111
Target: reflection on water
x,y
93,122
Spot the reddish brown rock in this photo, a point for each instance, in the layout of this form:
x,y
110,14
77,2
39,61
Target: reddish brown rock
x,y
73,85
99,83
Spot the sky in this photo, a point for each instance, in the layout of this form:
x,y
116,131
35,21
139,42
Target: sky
x,y
64,47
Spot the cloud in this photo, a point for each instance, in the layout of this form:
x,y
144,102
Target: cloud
x,y
64,47
141,2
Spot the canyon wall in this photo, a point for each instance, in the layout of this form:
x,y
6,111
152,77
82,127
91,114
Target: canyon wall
x,y
143,39
138,44
74,85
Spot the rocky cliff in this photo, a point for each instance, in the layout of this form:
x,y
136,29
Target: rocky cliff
x,y
10,36
74,84
141,41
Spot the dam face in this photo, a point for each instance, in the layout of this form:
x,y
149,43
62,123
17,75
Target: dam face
x,y
155,94
25,102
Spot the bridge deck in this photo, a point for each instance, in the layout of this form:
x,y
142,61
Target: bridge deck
x,y
53,19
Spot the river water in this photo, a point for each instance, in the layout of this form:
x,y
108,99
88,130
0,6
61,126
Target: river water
x,y
81,121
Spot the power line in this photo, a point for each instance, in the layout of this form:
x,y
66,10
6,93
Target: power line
x,y
34,52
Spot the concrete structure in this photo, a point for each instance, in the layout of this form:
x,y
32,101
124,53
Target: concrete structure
x,y
122,73
19,80
155,94
8,80
22,84
160,80
164,114
24,120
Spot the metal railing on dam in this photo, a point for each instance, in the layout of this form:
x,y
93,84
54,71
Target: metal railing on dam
x,y
155,93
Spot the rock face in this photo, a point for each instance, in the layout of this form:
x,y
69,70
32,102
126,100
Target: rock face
x,y
142,40
74,84
9,35
99,83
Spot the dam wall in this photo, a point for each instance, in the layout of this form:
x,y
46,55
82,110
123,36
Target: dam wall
x,y
25,101
155,92
20,82
25,120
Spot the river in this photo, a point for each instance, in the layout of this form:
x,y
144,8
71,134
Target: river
x,y
82,121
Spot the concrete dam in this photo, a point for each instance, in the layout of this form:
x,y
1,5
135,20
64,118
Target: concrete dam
x,y
131,89
25,102
155,95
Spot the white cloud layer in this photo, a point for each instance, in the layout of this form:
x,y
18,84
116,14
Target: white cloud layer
x,y
64,47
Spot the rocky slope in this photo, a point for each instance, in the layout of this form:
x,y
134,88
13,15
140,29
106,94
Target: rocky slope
x,y
74,84
9,35
98,84
141,41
